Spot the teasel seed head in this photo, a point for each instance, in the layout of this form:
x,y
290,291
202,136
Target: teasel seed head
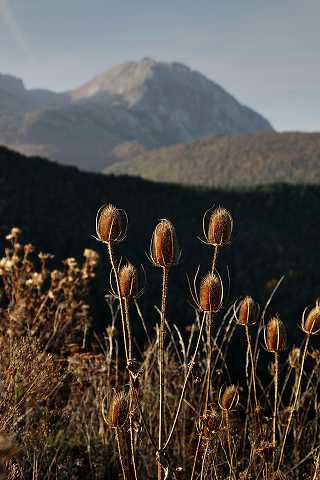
x,y
128,281
275,335
111,224
164,250
220,227
211,293
294,357
229,399
118,410
248,312
311,324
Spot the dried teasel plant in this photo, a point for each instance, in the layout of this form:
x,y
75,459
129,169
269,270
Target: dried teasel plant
x,y
164,253
275,337
111,224
164,249
118,411
275,341
219,228
311,323
246,312
208,297
229,398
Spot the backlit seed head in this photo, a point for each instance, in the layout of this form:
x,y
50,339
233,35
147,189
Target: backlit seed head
x,y
275,335
118,410
312,322
110,224
248,311
211,293
128,281
229,399
220,227
164,246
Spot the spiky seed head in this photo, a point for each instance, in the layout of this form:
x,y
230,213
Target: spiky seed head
x,y
164,245
312,322
128,281
109,224
118,410
275,335
248,311
211,293
294,357
229,399
220,227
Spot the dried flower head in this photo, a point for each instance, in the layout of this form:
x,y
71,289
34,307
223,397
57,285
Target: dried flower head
x,y
275,335
229,399
118,410
294,357
220,227
311,324
211,293
111,224
164,250
248,312
128,281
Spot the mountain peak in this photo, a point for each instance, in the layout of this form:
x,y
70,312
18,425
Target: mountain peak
x,y
11,84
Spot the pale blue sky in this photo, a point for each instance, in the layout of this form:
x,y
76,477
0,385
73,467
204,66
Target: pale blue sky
x,y
266,53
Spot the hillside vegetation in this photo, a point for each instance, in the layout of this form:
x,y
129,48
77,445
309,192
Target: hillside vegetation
x,y
231,161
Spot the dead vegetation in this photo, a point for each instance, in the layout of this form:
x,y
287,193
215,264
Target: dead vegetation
x,y
78,404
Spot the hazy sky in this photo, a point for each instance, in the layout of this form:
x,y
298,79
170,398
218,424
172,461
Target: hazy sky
x,y
265,52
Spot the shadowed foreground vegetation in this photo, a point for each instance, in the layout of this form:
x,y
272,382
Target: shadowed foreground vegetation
x,y
170,407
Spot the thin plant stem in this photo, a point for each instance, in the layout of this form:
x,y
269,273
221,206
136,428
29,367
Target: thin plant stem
x,y
195,460
165,272
191,364
115,272
275,404
294,404
120,455
209,360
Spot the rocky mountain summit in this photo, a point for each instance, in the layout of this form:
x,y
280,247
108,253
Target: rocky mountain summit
x,y
149,102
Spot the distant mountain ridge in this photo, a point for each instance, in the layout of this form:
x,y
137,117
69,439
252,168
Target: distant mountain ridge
x,y
231,161
150,102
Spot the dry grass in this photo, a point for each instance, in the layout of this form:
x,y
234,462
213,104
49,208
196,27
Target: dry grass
x,y
73,406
